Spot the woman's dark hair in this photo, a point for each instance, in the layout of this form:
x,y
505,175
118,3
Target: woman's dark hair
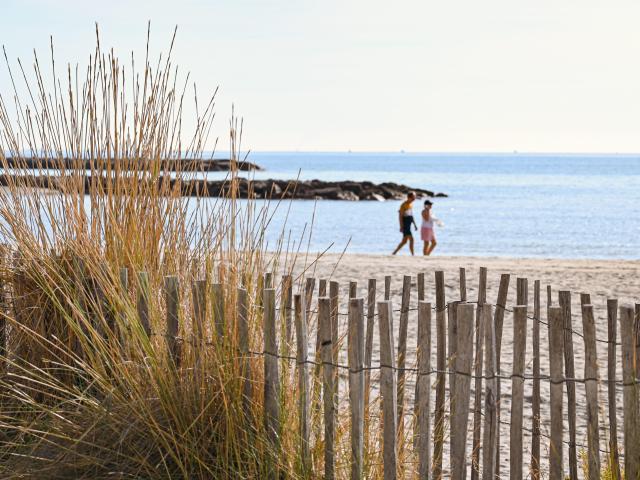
x,y
428,202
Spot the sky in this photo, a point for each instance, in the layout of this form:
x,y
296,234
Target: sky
x,y
420,76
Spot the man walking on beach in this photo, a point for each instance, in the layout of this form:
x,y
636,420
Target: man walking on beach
x,y
405,216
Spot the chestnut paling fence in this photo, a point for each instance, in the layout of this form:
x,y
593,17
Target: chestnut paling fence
x,y
459,397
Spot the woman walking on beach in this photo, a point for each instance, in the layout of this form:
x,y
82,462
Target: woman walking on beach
x,y
427,232
406,220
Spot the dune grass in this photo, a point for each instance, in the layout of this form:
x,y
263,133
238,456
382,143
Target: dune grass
x,y
84,391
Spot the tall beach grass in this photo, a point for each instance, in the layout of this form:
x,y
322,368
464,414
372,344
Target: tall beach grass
x,y
84,391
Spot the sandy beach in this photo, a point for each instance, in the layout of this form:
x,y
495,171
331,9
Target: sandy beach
x,y
601,278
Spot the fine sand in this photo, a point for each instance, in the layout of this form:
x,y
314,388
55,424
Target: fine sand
x,y
601,278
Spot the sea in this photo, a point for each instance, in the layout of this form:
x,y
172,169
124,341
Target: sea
x,y
506,205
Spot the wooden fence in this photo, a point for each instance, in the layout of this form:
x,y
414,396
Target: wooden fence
x,y
458,397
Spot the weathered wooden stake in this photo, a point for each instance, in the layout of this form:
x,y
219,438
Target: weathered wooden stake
x,y
591,388
402,350
286,300
452,346
612,323
477,401
441,364
388,391
302,357
556,344
356,385
271,374
243,344
423,400
387,287
564,300
326,342
142,302
461,393
218,307
463,285
503,291
490,436
535,406
172,296
353,289
482,286
421,287
517,390
630,395
371,314
199,296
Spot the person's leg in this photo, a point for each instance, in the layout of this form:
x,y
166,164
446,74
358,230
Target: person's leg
x,y
425,248
433,246
411,244
400,245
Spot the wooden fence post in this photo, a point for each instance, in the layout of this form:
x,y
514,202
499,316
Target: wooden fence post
x,y
441,364
636,334
271,374
564,300
309,287
218,307
286,301
421,287
477,401
612,323
423,391
452,344
535,407
322,288
490,438
356,385
517,390
326,343
387,287
172,296
482,286
353,289
556,344
463,285
591,387
522,291
503,291
243,344
199,296
302,357
630,395
461,395
142,302
334,293
371,313
388,390
402,351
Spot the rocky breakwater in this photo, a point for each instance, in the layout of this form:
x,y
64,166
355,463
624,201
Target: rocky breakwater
x,y
317,190
268,189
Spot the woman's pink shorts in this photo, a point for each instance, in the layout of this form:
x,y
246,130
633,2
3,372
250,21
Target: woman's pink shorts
x,y
427,234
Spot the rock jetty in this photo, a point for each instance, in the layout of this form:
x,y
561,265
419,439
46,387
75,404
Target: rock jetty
x,y
274,189
319,190
129,164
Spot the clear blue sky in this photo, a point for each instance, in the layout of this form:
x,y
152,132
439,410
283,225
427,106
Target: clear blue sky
x,y
372,75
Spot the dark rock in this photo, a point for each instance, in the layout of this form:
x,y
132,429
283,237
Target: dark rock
x,y
285,189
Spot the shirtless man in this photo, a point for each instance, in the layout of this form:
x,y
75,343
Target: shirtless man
x,y
405,216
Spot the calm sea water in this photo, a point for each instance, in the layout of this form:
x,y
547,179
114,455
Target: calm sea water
x,y
565,206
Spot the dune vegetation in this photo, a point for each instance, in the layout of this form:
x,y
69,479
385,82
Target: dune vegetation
x,y
94,383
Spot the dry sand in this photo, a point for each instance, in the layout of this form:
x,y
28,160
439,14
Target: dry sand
x,y
601,278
